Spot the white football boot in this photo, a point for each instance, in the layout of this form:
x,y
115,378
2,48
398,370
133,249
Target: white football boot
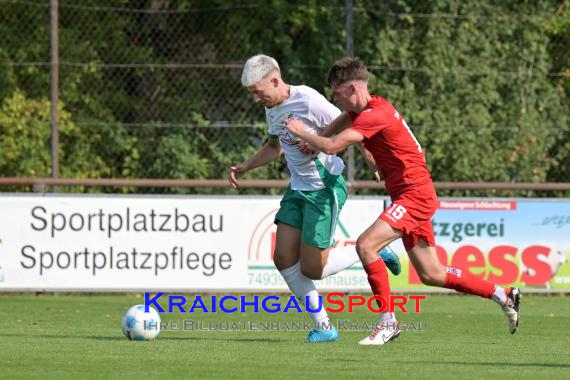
x,y
386,332
512,309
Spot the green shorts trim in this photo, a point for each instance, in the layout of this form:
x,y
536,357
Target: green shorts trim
x,y
315,213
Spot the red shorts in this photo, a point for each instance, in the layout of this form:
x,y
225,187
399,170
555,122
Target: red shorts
x,y
411,213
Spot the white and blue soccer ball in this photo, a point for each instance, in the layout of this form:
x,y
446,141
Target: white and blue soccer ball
x,y
138,325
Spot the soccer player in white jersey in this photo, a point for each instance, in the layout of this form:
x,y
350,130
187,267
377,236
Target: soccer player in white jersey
x,y
309,210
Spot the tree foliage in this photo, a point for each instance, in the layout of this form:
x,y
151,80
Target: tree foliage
x,y
473,79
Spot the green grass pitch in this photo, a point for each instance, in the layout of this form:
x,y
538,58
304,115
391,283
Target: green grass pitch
x,y
79,337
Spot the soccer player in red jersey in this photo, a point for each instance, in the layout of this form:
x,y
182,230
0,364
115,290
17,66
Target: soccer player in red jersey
x,y
373,121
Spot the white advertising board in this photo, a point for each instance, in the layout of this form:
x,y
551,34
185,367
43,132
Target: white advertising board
x,y
148,243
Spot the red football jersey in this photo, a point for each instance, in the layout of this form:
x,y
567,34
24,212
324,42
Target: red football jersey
x,y
398,155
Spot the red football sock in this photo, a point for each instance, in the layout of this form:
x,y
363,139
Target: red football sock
x,y
465,282
378,280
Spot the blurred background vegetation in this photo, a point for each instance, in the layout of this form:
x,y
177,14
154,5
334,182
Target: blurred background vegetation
x,y
151,88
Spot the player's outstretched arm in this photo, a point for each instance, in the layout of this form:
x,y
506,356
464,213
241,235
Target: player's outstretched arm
x,y
270,151
369,158
336,126
328,145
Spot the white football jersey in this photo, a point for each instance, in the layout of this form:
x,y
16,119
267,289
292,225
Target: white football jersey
x,y
316,112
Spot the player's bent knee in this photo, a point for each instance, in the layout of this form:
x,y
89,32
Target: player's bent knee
x,y
365,249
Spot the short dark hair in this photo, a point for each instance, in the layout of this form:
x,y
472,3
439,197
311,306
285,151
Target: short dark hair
x,y
347,69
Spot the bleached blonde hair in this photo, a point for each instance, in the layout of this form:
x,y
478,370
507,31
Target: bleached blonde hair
x,y
256,68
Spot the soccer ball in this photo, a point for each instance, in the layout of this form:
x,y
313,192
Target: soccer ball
x,y
138,325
